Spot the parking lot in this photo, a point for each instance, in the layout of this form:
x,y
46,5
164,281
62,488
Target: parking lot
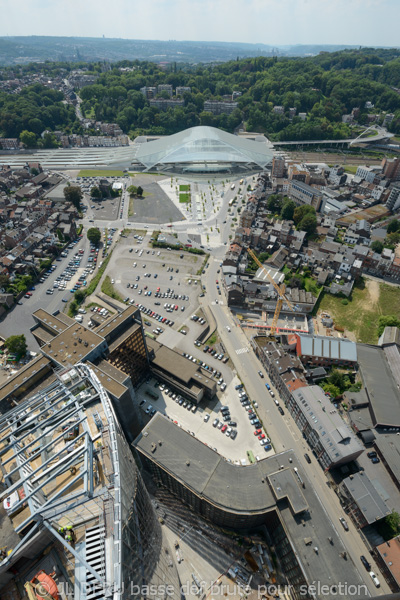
x,y
156,278
152,396
105,209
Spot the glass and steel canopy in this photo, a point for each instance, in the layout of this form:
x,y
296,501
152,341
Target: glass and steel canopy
x,y
206,148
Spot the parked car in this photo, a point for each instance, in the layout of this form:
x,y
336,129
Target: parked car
x,y
365,562
344,523
374,579
308,459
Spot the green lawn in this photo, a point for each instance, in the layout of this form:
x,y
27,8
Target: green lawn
x,y
351,169
368,302
184,197
185,187
100,173
108,288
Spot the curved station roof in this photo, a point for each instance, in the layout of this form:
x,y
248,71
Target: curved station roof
x,y
205,149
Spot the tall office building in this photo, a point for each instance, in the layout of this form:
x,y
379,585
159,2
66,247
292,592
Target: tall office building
x,y
77,508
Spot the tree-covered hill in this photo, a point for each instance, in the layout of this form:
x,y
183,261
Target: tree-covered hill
x,y
325,87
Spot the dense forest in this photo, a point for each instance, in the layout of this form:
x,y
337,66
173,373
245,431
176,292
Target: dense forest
x,y
325,87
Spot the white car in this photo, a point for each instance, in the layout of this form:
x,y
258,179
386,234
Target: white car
x,y
374,579
228,328
206,418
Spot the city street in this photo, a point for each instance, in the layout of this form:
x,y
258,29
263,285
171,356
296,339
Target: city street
x,y
283,430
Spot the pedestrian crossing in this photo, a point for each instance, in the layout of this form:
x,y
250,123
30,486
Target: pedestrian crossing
x,y
242,350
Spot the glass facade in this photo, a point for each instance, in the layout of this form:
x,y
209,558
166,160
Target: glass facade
x,y
205,148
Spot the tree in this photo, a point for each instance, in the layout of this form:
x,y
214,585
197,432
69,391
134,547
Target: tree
x,y
139,191
338,379
28,138
331,389
80,295
387,321
95,193
16,344
132,190
73,193
274,203
308,224
393,522
301,211
94,235
288,209
393,226
392,239
377,246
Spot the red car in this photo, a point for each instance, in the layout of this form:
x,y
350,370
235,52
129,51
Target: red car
x,y
262,436
216,281
176,308
224,428
257,432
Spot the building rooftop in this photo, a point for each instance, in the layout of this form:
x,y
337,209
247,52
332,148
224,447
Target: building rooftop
x,y
270,484
327,347
72,345
107,329
34,370
381,387
241,489
337,438
366,496
56,323
107,375
388,445
390,552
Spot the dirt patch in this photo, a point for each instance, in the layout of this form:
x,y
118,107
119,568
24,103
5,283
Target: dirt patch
x,y
374,292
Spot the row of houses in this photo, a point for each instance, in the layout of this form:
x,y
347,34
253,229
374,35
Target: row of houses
x,y
30,222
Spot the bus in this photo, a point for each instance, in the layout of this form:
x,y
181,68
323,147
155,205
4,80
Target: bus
x,y
241,182
250,457
231,201
232,186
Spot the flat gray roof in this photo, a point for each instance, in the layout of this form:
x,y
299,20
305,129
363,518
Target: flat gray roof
x,y
388,445
241,489
246,489
378,379
337,438
363,491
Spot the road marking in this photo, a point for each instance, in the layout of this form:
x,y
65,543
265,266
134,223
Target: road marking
x,y
242,350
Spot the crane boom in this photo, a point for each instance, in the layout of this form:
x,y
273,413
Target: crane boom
x,y
276,286
279,289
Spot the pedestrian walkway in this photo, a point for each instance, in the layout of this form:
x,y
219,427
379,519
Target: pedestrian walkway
x,y
242,350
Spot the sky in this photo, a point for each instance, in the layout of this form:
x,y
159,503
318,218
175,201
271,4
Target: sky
x,y
275,22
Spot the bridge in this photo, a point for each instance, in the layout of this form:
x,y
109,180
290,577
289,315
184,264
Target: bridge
x,y
381,135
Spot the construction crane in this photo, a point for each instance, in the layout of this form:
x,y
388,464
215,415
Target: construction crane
x,y
280,289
